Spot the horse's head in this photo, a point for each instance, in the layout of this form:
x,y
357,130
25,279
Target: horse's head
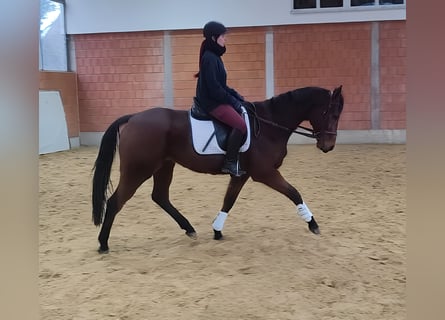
x,y
324,121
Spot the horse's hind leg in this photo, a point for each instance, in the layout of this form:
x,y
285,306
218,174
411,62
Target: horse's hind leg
x,y
124,191
110,213
233,190
162,179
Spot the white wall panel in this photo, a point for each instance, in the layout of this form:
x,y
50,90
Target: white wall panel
x,y
53,131
99,16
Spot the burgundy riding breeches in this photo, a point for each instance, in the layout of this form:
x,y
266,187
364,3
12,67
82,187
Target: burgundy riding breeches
x,y
226,114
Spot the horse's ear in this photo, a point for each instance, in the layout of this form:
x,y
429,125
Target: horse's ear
x,y
337,92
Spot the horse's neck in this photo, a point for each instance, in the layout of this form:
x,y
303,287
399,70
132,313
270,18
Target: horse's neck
x,y
274,127
285,113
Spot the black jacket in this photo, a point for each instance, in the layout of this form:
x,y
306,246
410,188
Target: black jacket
x,y
211,88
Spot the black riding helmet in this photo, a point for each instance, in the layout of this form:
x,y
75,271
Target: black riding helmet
x,y
213,29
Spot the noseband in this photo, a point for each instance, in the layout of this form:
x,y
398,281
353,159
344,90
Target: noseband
x,y
310,133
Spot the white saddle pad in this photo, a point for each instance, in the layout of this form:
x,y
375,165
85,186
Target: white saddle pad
x,y
202,130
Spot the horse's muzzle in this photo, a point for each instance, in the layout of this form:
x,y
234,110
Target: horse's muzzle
x,y
326,142
325,150
325,146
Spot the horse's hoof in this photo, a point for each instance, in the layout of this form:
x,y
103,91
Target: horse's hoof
x,y
217,235
315,231
102,251
192,235
313,226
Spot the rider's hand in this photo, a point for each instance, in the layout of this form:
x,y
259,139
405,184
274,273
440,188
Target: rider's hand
x,y
237,106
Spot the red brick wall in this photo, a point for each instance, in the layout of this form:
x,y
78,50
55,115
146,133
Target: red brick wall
x,y
244,62
122,73
66,84
118,73
185,54
393,75
327,55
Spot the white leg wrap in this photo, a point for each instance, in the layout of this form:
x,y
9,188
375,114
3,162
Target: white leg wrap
x,y
218,223
304,212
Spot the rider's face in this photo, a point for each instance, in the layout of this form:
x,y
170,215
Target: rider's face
x,y
221,40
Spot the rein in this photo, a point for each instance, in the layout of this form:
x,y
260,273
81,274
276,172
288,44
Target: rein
x,y
310,134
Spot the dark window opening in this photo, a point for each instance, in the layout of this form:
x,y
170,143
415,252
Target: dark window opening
x,y
355,3
331,3
304,4
391,2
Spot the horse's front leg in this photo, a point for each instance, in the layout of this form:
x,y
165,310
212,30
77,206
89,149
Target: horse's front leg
x,y
233,190
276,181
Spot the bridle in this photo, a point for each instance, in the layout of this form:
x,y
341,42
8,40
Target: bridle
x,y
310,133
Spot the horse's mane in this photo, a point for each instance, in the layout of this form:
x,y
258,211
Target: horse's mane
x,y
296,95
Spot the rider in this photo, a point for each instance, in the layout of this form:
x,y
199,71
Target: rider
x,y
214,96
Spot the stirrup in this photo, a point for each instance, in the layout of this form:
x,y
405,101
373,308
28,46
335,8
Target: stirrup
x,y
232,168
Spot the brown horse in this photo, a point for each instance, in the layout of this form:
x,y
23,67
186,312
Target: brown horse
x,y
152,141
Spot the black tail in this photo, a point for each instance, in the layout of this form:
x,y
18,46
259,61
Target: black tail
x,y
102,168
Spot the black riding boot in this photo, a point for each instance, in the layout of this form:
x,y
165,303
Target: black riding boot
x,y
231,161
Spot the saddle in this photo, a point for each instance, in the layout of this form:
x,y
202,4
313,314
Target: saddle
x,y
219,132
